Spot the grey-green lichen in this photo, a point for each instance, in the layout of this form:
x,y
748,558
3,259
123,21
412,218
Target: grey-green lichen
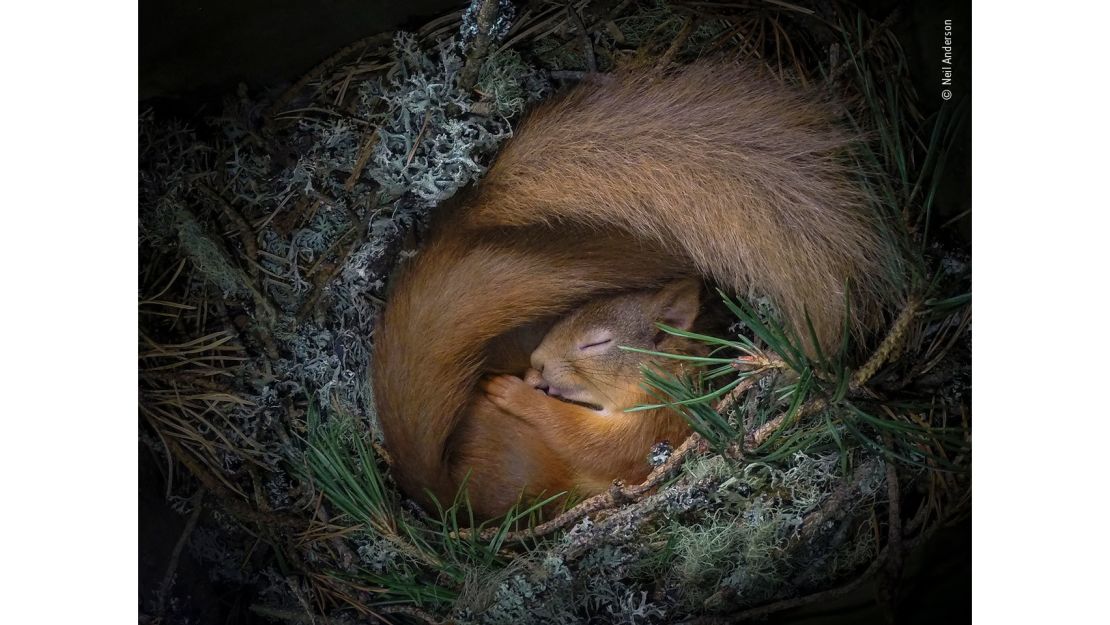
x,y
468,28
740,545
725,537
427,144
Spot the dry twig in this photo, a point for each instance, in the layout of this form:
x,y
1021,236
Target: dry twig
x,y
583,39
676,45
479,49
890,345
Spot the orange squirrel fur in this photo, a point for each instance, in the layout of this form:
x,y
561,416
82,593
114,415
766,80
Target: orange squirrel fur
x,y
581,382
624,182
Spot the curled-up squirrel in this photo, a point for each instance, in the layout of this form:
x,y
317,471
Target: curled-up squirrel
x,y
581,382
624,182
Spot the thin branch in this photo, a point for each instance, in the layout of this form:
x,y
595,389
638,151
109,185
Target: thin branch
x,y
246,233
637,515
583,39
890,345
834,505
327,273
676,45
758,436
479,49
888,589
363,157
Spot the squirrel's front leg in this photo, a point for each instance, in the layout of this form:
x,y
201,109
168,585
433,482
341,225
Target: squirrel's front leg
x,y
517,397
596,446
509,393
563,426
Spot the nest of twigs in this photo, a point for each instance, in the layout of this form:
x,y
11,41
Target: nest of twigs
x,y
268,238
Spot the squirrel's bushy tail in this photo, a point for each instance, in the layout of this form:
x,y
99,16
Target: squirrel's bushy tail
x,y
748,179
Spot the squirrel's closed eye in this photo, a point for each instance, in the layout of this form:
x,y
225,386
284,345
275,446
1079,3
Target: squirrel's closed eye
x,y
597,341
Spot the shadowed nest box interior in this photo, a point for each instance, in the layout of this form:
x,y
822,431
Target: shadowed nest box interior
x,y
270,227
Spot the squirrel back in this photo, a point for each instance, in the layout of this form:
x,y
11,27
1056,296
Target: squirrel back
x,y
624,182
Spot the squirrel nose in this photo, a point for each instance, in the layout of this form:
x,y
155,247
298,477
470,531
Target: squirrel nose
x,y
535,379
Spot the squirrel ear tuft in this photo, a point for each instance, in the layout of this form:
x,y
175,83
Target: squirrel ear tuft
x,y
677,304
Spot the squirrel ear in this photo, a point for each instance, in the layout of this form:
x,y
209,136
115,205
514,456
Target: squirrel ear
x,y
677,303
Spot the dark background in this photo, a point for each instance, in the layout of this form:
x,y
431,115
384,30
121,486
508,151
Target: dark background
x,y
191,53
194,53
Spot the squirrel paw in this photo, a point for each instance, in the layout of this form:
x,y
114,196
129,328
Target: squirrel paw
x,y
508,392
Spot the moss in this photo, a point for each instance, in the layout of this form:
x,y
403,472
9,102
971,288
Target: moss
x,y
739,543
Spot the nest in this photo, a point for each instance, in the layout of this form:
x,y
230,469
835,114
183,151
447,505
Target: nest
x,y
268,238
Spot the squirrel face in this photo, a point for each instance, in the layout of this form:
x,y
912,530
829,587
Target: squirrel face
x,y
580,360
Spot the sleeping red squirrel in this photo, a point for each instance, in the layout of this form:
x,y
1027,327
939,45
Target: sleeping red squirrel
x,y
581,383
624,183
